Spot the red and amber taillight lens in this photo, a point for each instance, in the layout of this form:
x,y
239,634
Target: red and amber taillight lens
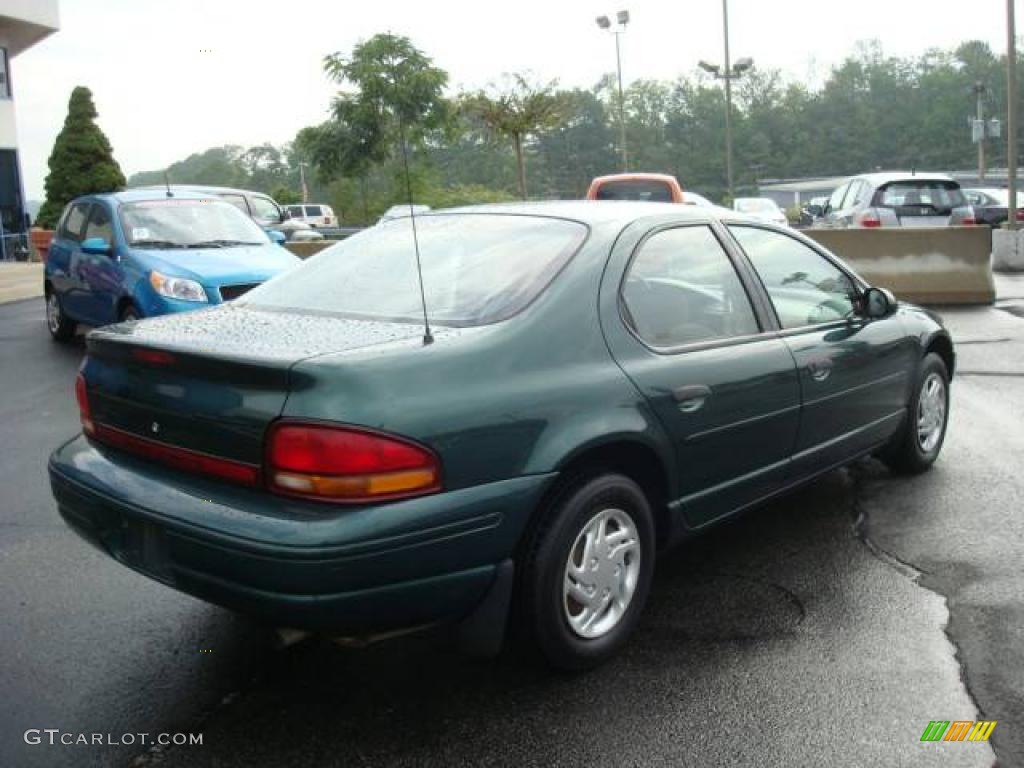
x,y
342,463
84,411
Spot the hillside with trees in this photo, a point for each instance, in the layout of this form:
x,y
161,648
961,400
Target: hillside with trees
x,y
871,111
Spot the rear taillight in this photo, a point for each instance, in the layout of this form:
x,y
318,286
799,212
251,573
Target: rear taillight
x,y
869,219
341,463
84,411
969,221
1020,214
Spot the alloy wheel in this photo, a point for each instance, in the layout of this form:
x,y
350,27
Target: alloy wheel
x,y
931,412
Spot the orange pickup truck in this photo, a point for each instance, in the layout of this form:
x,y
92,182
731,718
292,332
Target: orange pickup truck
x,y
649,187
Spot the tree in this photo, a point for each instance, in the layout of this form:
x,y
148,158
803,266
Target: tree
x,y
398,95
82,161
517,110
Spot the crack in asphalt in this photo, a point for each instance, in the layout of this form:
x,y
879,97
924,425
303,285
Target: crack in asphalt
x,y
917,575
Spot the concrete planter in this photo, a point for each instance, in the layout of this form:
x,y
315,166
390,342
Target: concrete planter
x,y
1008,250
40,240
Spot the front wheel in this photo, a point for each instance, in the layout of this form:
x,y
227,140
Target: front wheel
x,y
916,446
60,326
588,571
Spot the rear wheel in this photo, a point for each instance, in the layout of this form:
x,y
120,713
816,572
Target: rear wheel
x,y
918,443
61,327
588,571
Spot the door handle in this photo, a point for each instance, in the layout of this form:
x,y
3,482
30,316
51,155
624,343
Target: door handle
x,y
691,397
819,369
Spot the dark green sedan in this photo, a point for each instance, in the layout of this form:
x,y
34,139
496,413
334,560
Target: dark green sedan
x,y
600,381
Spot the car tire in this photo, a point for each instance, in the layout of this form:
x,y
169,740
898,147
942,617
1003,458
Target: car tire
x,y
587,571
61,327
917,444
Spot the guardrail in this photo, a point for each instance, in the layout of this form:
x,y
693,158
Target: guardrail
x,y
942,265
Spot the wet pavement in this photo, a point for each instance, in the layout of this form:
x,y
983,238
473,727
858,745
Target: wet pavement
x,y
810,632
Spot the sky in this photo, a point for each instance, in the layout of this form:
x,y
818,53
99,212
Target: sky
x,y
173,77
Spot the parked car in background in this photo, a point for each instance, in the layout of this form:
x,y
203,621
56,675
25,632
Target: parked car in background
x,y
307,455
645,187
263,209
812,210
761,208
141,253
898,199
991,205
316,215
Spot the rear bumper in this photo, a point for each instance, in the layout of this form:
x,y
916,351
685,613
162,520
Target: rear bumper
x,y
349,570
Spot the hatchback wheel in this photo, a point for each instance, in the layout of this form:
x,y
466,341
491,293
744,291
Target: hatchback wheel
x,y
916,446
586,578
60,326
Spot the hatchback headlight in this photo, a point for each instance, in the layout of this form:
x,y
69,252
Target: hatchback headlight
x,y
177,287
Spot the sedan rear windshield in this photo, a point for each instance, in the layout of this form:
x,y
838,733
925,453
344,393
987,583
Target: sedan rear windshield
x,y
635,189
942,196
477,269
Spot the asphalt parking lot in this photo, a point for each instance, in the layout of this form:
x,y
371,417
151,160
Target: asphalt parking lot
x,y
826,629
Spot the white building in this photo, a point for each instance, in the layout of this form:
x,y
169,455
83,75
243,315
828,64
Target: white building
x,y
23,23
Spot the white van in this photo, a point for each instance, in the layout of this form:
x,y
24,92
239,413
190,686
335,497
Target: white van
x,y
314,215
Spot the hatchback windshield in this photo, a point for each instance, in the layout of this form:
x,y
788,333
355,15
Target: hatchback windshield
x,y
477,269
181,223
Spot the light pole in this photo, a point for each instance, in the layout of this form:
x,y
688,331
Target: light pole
x,y
732,72
1011,115
621,20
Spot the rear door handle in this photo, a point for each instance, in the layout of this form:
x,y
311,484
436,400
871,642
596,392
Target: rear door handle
x,y
691,397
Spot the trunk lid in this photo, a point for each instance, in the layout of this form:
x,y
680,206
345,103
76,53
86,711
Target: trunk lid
x,y
212,381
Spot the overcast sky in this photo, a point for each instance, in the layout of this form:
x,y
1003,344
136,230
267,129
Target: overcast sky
x,y
178,76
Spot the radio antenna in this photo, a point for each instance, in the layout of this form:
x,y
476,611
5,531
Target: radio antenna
x,y
167,183
428,337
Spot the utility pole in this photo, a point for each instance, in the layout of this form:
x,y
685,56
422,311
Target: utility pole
x,y
979,92
1011,115
302,182
728,102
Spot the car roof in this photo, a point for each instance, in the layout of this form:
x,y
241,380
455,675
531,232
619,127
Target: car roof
x,y
664,177
595,212
137,194
209,189
888,177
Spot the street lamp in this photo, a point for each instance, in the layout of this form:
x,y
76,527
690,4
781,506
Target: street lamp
x,y
621,20
731,73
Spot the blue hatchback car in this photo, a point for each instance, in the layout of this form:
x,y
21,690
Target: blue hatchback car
x,y
139,253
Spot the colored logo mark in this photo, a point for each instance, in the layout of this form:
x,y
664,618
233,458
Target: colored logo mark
x,y
958,730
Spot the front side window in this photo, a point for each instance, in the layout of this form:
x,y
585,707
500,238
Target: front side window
x,y
99,224
170,223
804,286
71,227
295,211
263,208
238,201
477,269
681,288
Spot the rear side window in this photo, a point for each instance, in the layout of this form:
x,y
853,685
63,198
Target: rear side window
x,y
635,189
477,269
264,208
313,210
71,227
941,196
681,288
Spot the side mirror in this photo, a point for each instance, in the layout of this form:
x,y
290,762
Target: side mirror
x,y
879,302
276,236
96,245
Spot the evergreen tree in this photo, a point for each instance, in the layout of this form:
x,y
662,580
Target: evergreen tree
x,y
82,161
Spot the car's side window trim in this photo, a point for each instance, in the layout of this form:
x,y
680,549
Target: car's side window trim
x,y
76,236
857,282
626,319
